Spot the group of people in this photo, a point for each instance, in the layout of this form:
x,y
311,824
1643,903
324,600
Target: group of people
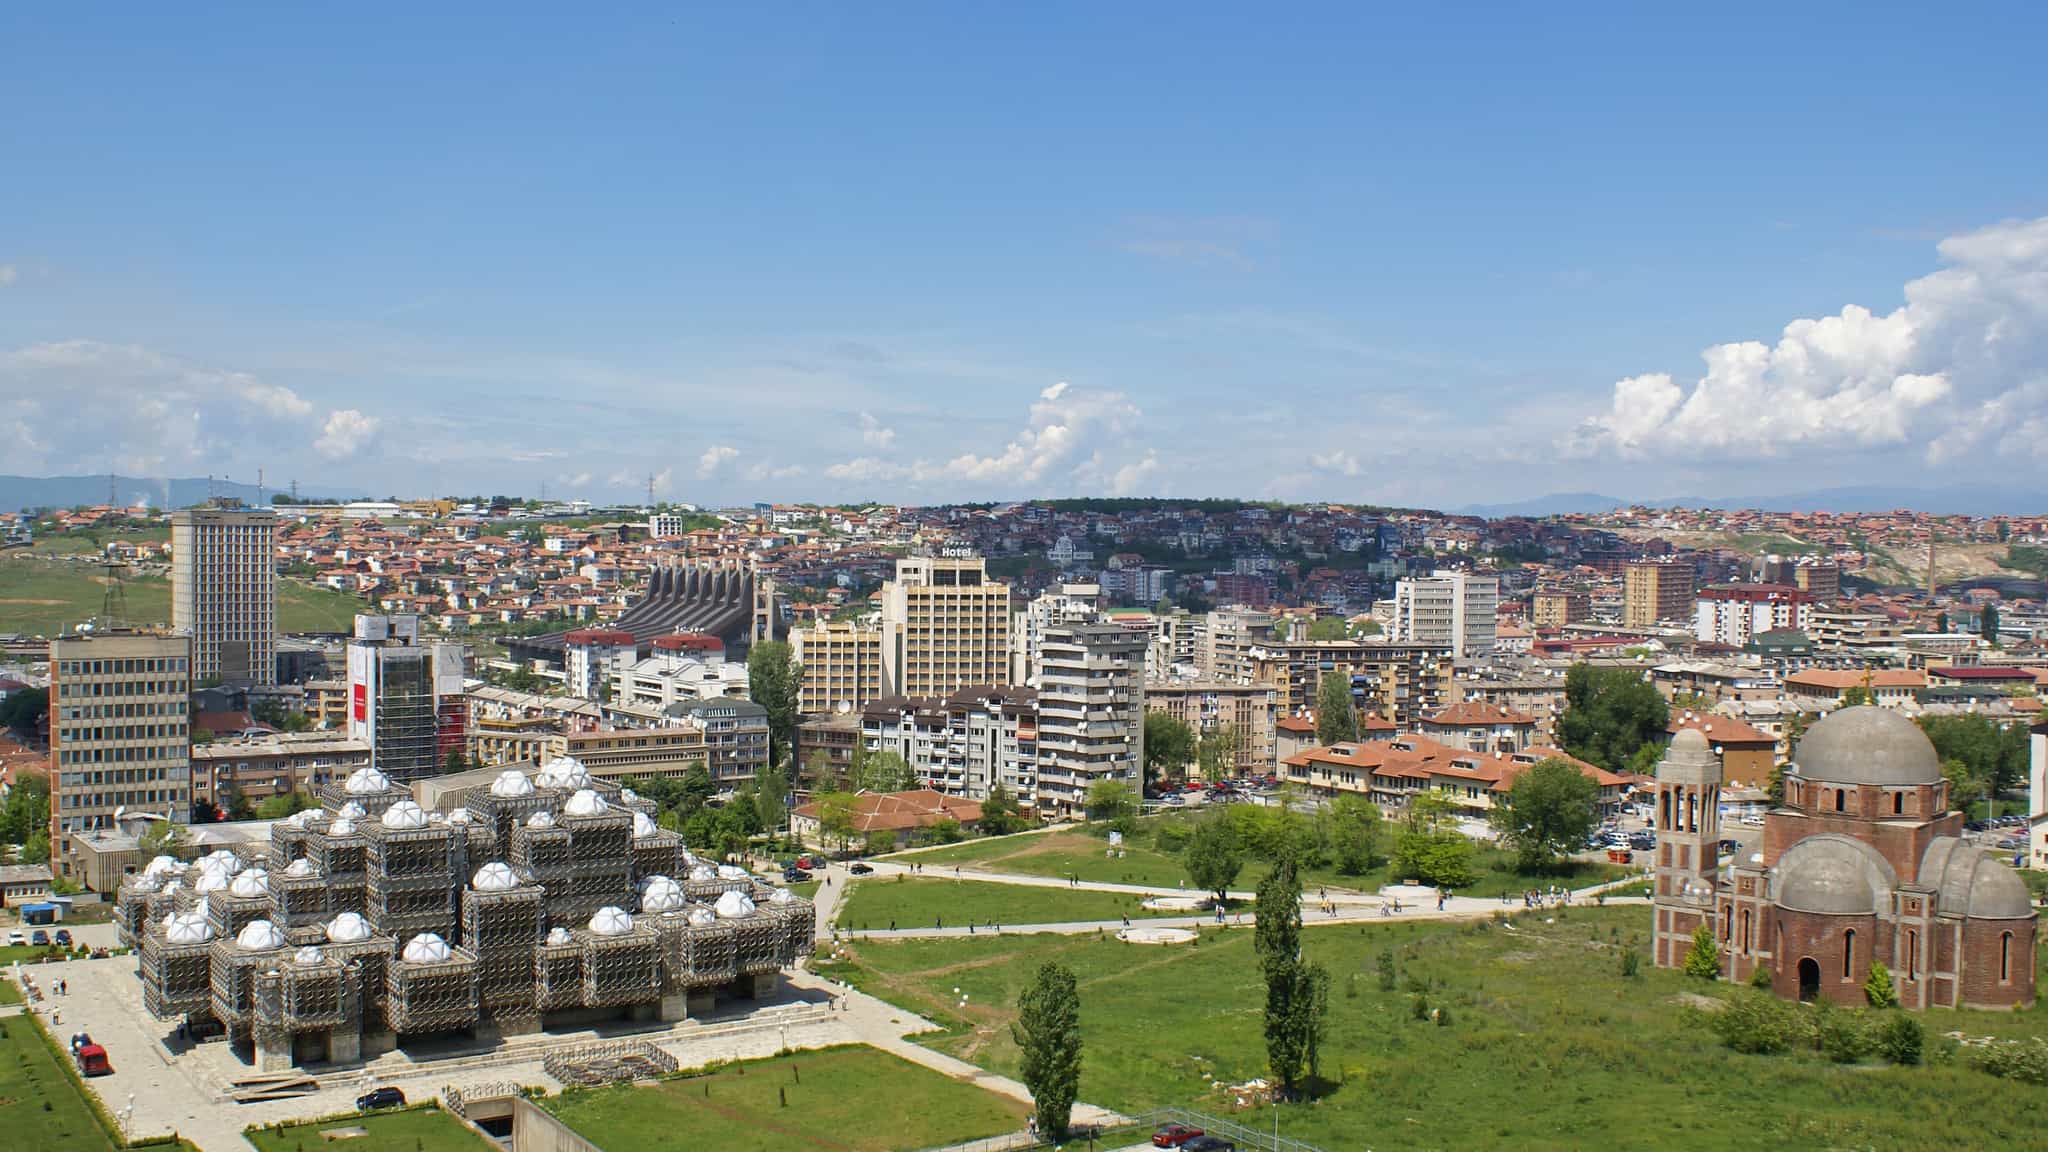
x,y
1551,897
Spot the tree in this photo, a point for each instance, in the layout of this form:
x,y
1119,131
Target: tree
x,y
1297,992
162,838
1965,784
1213,856
1703,959
883,772
1329,628
23,710
234,805
1987,624
1115,801
27,809
1610,713
456,762
1216,752
771,796
774,679
1429,811
835,817
818,770
1336,714
1996,754
282,805
205,811
37,849
1691,702
1169,745
1878,989
1048,1036
1441,858
1549,812
1000,815
1354,832
1858,695
697,790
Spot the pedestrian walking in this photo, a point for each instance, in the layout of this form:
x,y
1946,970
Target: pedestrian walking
x,y
892,925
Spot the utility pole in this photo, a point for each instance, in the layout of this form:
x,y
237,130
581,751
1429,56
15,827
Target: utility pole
x,y
650,491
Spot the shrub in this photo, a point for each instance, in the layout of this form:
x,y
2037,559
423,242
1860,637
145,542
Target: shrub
x,y
1839,1035
1387,970
1761,978
1757,1024
2022,1060
1900,1039
1171,837
1419,1007
1878,988
1443,1017
1631,963
1703,959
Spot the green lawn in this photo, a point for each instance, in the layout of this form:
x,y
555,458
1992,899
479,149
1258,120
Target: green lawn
x,y
41,1107
40,596
919,902
9,994
413,1130
854,1099
1548,1047
1073,852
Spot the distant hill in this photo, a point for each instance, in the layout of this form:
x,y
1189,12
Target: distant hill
x,y
1867,498
22,492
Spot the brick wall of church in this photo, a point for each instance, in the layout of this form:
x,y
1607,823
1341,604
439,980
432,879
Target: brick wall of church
x,y
1800,935
1982,942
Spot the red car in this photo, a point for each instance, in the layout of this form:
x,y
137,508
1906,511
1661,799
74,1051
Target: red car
x,y
1174,1135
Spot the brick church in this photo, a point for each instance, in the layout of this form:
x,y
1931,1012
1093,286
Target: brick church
x,y
1862,862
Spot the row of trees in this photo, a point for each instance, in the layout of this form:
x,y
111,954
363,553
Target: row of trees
x,y
1171,746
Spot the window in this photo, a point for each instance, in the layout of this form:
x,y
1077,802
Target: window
x,y
1838,799
2005,958
1848,952
1912,955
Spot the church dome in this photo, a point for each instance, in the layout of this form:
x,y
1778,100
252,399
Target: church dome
x,y
1831,875
1867,745
1969,881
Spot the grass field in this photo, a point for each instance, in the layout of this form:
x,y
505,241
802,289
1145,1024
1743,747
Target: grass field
x,y
918,902
40,597
9,994
1548,1046
851,1099
413,1130
40,1105
1078,853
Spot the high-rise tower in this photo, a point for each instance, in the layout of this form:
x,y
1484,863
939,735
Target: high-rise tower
x,y
224,592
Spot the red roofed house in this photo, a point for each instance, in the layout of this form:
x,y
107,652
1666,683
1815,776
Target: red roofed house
x,y
883,818
1747,753
1390,772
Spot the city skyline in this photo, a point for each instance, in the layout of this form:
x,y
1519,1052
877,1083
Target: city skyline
x,y
927,258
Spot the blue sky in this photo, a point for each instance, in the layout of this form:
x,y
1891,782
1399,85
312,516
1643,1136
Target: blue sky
x,y
977,251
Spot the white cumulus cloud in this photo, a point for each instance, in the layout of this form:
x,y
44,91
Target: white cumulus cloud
x,y
873,433
1962,365
713,458
8,274
1341,462
344,433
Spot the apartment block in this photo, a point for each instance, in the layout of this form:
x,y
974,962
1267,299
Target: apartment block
x,y
962,745
842,666
1559,607
1067,604
1733,613
1400,683
275,765
1091,712
1226,642
1656,592
224,592
1448,609
120,706
945,625
592,656
1214,706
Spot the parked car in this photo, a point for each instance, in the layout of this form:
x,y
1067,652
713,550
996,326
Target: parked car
x,y
860,869
92,1060
1209,1144
39,938
1173,1135
794,875
63,937
79,1040
386,1097
17,939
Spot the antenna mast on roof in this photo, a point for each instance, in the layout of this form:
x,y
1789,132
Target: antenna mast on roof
x,y
113,493
650,491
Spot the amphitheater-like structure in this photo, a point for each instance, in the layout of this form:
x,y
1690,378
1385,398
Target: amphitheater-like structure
x,y
545,899
714,597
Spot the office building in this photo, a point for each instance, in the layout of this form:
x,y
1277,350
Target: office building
x,y
120,705
666,678
1091,712
1067,604
405,698
1656,592
945,625
224,592
1453,610
842,664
